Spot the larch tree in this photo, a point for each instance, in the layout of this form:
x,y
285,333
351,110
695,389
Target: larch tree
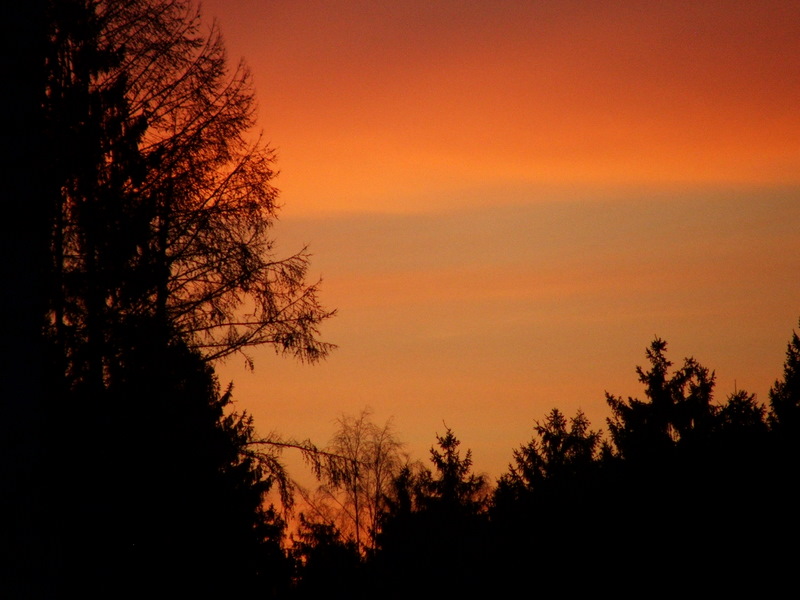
x,y
158,208
165,204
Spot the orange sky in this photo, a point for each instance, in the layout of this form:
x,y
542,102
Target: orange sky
x,y
508,200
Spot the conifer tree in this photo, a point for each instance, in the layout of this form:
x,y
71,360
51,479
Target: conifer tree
x,y
157,207
784,395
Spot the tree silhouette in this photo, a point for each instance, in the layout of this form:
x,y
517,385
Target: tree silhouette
x,y
777,486
452,487
678,410
155,242
555,453
209,189
784,395
684,477
544,507
365,458
327,564
195,520
165,211
435,533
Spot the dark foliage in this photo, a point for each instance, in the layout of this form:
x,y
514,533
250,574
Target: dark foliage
x,y
328,565
141,252
149,213
686,494
685,479
543,507
784,396
155,489
678,411
435,533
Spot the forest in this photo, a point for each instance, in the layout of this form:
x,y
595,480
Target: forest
x,y
141,253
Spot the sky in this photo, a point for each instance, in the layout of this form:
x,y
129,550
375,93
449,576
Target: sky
x,y
508,201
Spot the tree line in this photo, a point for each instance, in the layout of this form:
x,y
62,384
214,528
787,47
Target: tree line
x,y
681,492
141,253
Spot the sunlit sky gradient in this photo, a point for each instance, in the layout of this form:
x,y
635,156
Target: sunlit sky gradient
x,y
507,201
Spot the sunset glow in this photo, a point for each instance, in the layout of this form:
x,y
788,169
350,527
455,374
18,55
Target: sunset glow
x,y
507,202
